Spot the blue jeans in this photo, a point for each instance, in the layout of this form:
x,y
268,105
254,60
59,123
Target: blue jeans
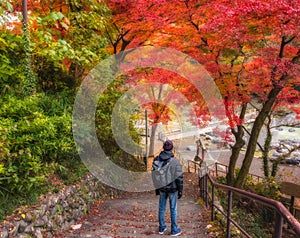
x,y
162,209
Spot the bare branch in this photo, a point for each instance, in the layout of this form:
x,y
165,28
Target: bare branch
x,y
286,124
288,154
258,144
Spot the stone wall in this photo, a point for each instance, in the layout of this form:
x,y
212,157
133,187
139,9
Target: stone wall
x,y
55,211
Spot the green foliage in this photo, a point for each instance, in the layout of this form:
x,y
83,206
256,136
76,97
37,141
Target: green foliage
x,y
5,7
11,54
29,83
252,217
104,130
254,222
36,144
268,187
51,77
32,137
38,77
259,218
73,36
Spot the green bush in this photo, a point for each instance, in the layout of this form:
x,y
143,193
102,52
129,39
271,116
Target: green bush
x,y
11,60
32,137
36,145
103,119
268,187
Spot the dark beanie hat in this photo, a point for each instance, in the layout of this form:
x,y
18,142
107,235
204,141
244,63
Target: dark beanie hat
x,y
168,145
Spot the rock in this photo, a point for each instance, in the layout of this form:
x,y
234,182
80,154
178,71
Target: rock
x,y
65,226
74,189
48,234
45,219
77,214
59,220
191,148
74,205
28,217
56,212
39,222
87,224
52,202
14,231
4,233
38,234
29,229
21,235
50,225
65,205
22,225
216,141
43,209
62,197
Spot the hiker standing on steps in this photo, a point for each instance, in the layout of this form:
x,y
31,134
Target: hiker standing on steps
x,y
167,177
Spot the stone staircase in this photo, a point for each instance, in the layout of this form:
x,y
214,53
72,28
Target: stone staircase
x,y
135,215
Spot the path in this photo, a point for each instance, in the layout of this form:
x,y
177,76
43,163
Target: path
x,y
135,215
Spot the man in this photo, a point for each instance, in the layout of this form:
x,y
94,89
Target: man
x,y
168,170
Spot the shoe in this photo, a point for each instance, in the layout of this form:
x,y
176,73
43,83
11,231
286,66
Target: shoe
x,y
176,233
161,232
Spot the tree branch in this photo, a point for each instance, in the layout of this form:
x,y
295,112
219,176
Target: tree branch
x,y
257,143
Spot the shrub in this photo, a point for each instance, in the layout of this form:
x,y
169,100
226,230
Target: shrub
x,y
32,137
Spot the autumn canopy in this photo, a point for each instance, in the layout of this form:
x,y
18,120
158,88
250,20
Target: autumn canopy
x,y
251,49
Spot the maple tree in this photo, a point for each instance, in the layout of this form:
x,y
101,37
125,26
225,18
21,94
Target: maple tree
x,y
251,48
66,36
66,40
167,97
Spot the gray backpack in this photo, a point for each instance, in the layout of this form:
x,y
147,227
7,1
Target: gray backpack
x,y
160,174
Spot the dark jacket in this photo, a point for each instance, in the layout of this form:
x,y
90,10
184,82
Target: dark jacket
x,y
174,172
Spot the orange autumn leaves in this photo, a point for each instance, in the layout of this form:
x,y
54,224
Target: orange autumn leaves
x,y
249,47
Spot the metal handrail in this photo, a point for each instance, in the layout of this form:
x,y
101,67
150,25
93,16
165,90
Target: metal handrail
x,y
195,165
257,177
282,213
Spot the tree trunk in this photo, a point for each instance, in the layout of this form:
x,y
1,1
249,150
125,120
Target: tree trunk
x,y
265,153
152,139
76,72
274,168
257,125
156,120
236,148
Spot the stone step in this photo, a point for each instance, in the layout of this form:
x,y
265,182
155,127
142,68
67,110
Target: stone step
x,y
135,215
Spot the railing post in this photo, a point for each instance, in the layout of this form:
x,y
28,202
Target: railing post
x,y
200,186
292,202
206,189
229,208
278,226
212,202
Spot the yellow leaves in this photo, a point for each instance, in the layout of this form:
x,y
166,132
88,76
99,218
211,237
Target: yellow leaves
x,y
3,42
288,174
1,168
22,214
